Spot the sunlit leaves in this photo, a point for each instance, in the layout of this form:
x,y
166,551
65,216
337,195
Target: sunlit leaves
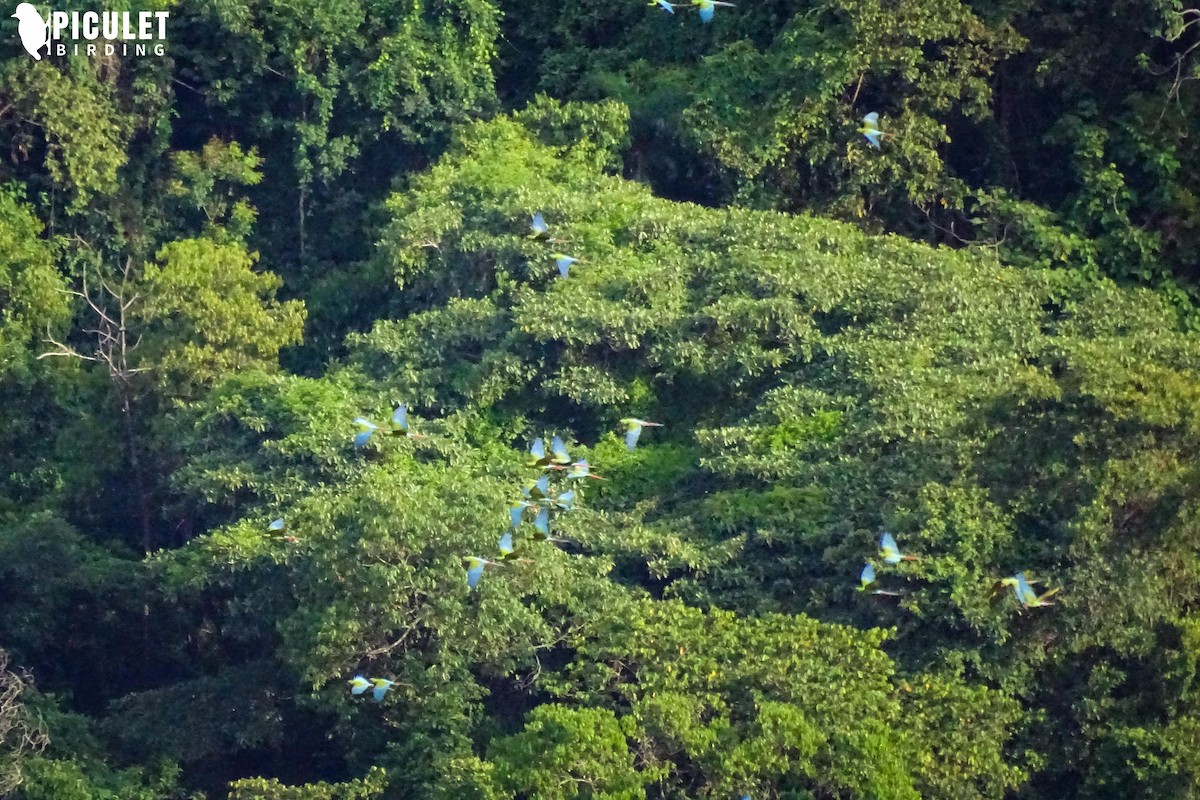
x,y
208,313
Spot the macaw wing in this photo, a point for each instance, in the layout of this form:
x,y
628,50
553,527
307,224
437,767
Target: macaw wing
x,y
276,525
1024,590
362,437
506,544
873,138
889,549
632,436
564,265
475,572
706,12
868,575
539,224
516,514
566,501
542,521
872,119
379,692
542,487
538,450
1049,593
400,417
559,451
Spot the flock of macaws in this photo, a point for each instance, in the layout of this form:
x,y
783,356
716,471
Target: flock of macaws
x,y
889,553
541,232
538,498
396,426
541,499
359,684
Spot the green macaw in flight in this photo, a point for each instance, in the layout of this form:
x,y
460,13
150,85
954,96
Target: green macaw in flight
x,y
633,430
541,231
475,566
870,129
1025,595
516,512
565,501
538,490
867,578
398,426
890,553
581,469
507,551
708,8
381,688
277,526
400,423
564,263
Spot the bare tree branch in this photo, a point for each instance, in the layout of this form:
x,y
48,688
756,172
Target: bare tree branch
x,y
20,734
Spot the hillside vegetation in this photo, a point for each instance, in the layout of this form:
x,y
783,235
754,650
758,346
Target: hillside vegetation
x,y
223,270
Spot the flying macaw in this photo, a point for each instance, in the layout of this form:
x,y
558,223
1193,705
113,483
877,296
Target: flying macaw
x,y
358,685
633,430
870,129
538,490
366,429
890,553
276,526
516,512
475,565
537,454
381,688
565,501
558,454
542,522
400,423
541,527
541,231
507,552
564,263
867,577
1025,594
581,469
664,5
708,8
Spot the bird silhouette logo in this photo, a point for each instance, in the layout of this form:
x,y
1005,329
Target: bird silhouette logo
x,y
33,30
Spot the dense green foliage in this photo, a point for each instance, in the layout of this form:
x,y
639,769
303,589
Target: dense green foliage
x,y
981,337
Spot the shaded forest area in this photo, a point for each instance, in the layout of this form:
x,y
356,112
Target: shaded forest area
x,y
223,270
